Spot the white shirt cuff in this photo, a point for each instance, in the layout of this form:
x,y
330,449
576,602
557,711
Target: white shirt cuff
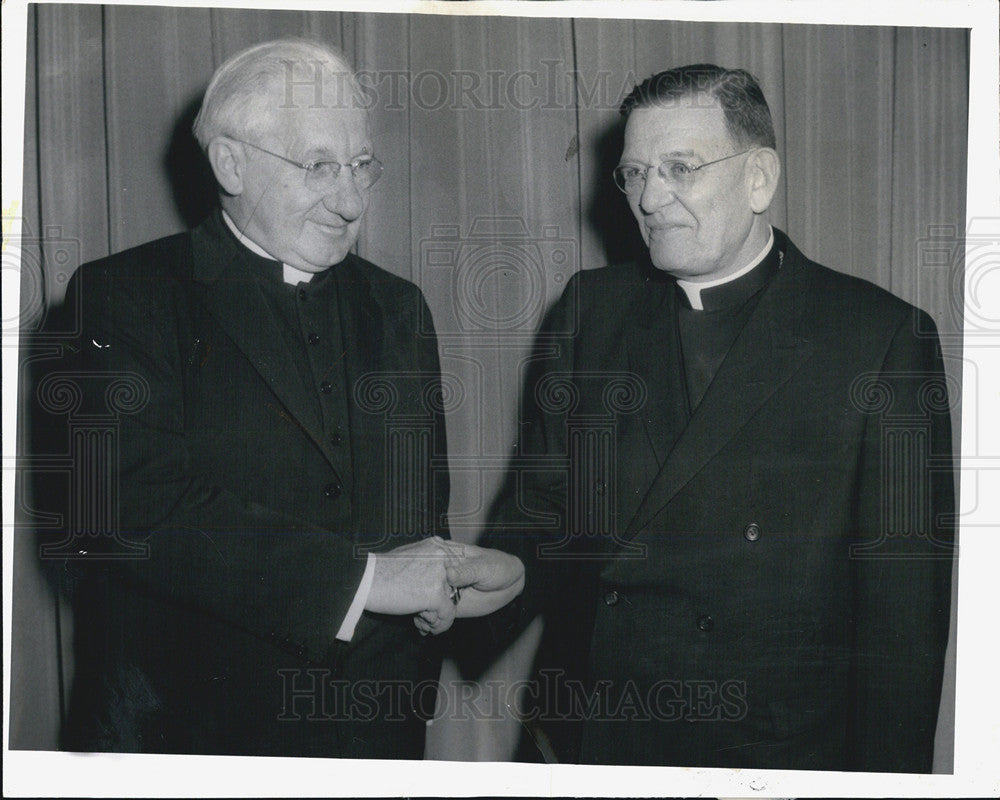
x,y
346,632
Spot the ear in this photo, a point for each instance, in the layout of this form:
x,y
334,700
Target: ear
x,y
228,159
765,169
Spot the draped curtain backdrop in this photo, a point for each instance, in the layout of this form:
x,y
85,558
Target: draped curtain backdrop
x,y
498,136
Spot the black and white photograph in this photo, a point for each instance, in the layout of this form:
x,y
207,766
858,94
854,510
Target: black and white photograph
x,y
499,399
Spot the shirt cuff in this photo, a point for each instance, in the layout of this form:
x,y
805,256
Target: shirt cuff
x,y
346,632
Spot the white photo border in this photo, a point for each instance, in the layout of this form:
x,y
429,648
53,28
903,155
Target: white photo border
x,y
977,733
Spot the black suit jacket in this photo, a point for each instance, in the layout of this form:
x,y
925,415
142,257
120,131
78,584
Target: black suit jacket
x,y
766,584
219,636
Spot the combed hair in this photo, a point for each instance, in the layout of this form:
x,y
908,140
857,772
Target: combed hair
x,y
240,99
748,118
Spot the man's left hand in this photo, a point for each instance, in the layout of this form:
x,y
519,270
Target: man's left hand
x,y
486,580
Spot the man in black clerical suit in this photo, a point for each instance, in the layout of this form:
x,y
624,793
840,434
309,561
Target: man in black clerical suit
x,y
740,535
273,543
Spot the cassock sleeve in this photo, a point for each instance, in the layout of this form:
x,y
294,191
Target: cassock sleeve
x,y
263,569
902,562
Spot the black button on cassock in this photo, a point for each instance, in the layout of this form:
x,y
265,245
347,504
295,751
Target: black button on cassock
x,y
706,623
751,532
611,598
333,490
313,338
337,439
326,387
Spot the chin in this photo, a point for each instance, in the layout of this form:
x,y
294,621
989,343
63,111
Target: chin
x,y
325,254
672,263
319,263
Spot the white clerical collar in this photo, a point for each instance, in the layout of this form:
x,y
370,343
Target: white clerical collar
x,y
291,275
693,290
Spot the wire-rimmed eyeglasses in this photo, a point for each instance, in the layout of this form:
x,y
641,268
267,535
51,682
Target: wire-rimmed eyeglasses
x,y
322,175
631,178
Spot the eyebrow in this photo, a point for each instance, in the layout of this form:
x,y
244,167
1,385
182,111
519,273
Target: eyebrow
x,y
665,156
322,154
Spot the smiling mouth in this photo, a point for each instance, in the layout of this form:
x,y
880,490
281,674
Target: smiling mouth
x,y
664,228
335,229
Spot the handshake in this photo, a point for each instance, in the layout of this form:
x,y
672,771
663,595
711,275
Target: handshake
x,y
438,580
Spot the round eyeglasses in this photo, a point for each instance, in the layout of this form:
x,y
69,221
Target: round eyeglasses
x,y
321,176
679,175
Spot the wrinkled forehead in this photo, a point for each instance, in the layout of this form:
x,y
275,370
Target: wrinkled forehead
x,y
316,103
682,124
315,83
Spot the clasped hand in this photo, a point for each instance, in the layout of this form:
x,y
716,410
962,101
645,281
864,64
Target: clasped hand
x,y
438,580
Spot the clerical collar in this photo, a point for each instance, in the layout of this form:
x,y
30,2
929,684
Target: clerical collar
x,y
732,289
289,274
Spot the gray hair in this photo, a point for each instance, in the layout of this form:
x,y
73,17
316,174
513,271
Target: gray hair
x,y
748,118
243,95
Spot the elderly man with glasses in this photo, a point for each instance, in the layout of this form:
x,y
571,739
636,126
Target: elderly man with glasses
x,y
738,525
287,556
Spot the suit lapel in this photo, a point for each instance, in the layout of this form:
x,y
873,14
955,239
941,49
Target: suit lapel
x,y
227,290
766,353
654,355
362,328
652,350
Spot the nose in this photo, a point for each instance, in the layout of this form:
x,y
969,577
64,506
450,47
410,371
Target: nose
x,y
656,192
344,198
